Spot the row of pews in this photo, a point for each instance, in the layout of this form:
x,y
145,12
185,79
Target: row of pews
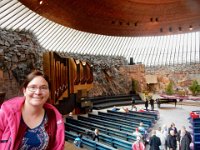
x,y
195,121
116,128
103,102
67,75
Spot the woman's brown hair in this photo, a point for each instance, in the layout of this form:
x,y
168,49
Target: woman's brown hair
x,y
32,75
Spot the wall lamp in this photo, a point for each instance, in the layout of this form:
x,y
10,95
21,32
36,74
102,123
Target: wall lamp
x,y
40,2
84,63
77,61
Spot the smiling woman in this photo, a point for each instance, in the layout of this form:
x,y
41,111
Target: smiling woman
x,y
31,116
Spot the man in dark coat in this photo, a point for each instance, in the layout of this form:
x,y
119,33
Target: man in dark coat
x,y
186,132
171,140
154,141
152,103
184,140
184,137
146,104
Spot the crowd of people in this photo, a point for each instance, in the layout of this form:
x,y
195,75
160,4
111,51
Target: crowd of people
x,y
163,139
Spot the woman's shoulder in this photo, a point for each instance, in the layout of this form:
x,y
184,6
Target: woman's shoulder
x,y
13,103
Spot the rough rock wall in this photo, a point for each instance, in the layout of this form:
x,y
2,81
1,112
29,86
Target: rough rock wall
x,y
181,75
19,54
137,73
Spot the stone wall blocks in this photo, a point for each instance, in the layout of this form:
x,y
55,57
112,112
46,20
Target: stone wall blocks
x,y
1,52
8,64
7,58
7,43
1,42
23,56
14,46
14,59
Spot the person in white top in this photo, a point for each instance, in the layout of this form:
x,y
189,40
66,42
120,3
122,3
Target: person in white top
x,y
162,138
164,131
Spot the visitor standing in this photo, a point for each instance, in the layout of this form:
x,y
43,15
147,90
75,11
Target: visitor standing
x,y
171,140
146,104
151,103
154,141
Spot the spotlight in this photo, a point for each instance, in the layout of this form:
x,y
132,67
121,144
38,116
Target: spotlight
x,y
136,23
191,28
77,61
156,19
84,63
40,2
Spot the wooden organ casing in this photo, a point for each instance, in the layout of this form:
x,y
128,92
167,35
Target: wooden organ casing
x,y
67,75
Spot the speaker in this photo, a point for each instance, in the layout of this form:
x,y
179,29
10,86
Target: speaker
x,y
131,60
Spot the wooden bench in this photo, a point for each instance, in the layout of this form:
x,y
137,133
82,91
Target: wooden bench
x,y
107,124
103,129
137,115
146,113
122,119
110,119
144,120
114,142
87,142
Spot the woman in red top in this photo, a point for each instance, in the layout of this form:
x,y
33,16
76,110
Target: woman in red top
x,y
138,144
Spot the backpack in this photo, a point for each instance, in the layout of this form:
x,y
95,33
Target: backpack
x,y
77,142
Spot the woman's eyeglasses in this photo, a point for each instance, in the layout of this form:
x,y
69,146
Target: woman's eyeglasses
x,y
35,88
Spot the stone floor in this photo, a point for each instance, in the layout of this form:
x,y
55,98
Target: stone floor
x,y
168,114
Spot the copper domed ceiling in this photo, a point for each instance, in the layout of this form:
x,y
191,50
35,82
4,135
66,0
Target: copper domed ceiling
x,y
166,44
122,17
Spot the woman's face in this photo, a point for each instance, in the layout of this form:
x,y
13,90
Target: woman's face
x,y
37,91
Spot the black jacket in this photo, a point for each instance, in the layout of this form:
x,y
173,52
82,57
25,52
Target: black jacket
x,y
95,137
171,142
154,143
146,103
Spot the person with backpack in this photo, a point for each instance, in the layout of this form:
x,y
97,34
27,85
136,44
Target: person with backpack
x,y
78,140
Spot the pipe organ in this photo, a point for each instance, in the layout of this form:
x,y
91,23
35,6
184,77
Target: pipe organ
x,y
67,75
